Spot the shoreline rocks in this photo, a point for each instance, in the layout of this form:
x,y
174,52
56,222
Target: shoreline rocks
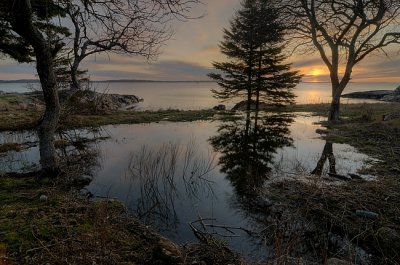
x,y
382,95
372,94
85,100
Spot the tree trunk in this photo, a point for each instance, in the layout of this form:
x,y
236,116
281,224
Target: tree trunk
x,y
327,153
334,112
248,105
23,25
74,75
337,89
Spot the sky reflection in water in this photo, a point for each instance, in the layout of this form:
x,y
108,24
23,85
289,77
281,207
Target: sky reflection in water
x,y
171,203
227,164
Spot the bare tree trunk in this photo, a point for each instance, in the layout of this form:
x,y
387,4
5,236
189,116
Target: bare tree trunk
x,y
327,153
23,25
337,90
334,112
74,75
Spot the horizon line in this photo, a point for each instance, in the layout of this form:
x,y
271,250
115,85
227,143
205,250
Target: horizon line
x,y
169,81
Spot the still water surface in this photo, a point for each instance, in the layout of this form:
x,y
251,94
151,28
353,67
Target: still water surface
x,y
172,174
197,95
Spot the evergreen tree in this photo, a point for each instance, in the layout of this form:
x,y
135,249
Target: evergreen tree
x,y
255,68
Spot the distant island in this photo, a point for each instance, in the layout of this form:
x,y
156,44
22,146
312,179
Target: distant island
x,y
116,81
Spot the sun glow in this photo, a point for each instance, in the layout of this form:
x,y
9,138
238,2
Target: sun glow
x,y
316,72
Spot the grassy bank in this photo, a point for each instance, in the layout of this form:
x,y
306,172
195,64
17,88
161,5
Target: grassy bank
x,y
45,222
363,127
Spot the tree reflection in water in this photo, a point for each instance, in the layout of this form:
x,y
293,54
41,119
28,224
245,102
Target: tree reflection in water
x,y
248,147
327,154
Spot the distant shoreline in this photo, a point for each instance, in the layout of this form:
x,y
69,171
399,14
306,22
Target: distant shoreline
x,y
112,81
165,81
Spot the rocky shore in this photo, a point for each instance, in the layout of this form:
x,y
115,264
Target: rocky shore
x,y
382,95
84,100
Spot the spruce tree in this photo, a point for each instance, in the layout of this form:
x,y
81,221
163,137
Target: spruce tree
x,y
253,45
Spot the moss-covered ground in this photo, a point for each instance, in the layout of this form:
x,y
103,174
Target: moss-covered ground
x,y
45,222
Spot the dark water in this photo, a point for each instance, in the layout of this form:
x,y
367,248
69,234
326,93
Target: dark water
x,y
212,176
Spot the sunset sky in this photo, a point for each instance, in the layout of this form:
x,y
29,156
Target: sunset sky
x,y
194,46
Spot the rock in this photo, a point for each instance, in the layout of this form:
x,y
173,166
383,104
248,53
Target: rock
x,y
335,261
83,180
86,193
168,252
43,198
220,107
388,240
89,101
367,214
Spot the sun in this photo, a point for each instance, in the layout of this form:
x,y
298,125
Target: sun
x,y
316,72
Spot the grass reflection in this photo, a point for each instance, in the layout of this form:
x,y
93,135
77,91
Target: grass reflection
x,y
165,175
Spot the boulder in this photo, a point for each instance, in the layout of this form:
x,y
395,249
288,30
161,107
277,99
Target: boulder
x,y
168,252
91,101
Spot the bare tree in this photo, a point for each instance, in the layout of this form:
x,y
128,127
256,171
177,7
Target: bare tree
x,y
134,27
344,32
22,22
28,32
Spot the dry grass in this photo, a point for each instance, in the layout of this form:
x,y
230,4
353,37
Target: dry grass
x,y
313,213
